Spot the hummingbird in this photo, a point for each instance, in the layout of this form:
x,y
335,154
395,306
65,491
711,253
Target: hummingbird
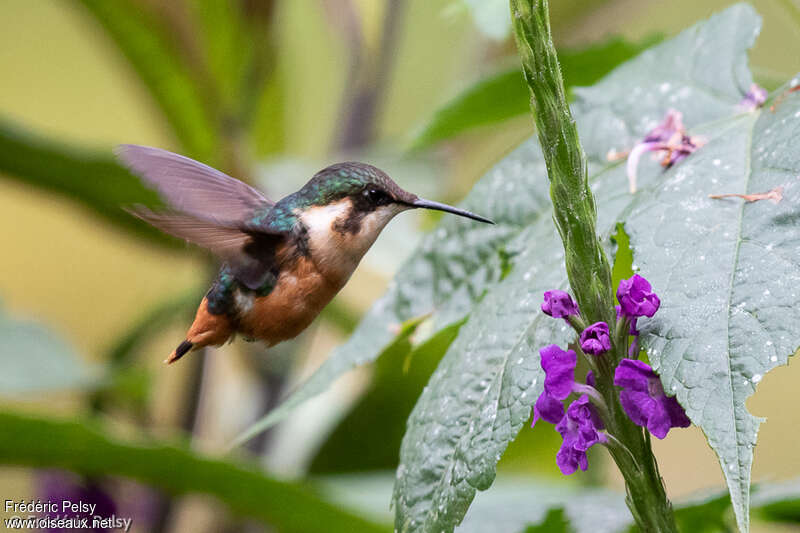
x,y
281,262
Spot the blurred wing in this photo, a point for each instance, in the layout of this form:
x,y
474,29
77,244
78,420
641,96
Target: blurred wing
x,y
251,255
190,186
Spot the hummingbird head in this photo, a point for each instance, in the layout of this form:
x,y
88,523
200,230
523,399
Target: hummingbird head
x,y
345,206
367,190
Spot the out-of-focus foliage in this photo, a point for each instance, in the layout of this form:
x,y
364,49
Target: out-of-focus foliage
x,y
223,96
35,360
161,66
85,448
94,180
528,505
482,391
369,437
505,94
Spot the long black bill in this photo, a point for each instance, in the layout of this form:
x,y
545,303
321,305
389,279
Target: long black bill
x,y
428,204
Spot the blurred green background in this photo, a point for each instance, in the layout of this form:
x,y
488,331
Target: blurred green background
x,y
65,80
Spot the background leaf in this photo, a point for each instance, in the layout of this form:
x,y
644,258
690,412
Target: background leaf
x,y
42,442
177,90
369,436
505,94
34,359
94,180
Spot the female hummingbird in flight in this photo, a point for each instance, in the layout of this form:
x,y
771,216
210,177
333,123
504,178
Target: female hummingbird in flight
x,y
282,262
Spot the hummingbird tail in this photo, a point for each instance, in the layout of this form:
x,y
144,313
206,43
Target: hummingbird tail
x,y
182,349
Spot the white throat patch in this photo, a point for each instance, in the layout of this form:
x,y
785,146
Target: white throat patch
x,y
337,253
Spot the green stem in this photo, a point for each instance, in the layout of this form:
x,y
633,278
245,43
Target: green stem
x,y
587,267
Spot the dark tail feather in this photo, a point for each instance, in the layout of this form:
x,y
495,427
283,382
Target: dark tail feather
x,y
182,349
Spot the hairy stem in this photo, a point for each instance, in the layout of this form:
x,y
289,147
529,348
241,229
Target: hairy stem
x,y
586,264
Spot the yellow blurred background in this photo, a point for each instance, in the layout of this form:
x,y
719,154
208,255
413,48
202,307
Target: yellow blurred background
x,y
87,281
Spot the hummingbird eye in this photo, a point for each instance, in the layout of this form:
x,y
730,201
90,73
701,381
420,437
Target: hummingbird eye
x,y
376,196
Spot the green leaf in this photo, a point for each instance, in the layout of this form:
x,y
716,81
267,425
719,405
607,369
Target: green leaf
x,y
83,448
459,263
146,42
35,360
778,502
94,180
369,436
482,392
319,381
554,522
727,272
227,45
505,94
704,515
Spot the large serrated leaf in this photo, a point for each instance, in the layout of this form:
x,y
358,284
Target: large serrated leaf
x,y
458,263
482,393
728,273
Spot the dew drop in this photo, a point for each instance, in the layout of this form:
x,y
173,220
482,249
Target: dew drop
x,y
527,276
756,378
717,162
774,358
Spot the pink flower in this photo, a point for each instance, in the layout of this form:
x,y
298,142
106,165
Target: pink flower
x,y
669,137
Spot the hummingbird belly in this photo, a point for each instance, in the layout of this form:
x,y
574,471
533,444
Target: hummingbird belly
x,y
300,293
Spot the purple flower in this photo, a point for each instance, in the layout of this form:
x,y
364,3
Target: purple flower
x,y
644,401
580,431
559,379
754,98
636,298
632,331
669,137
58,487
595,339
559,304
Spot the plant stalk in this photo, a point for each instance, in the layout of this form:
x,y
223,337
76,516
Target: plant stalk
x,y
587,267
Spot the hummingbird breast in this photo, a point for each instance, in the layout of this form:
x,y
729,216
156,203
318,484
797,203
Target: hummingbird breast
x,y
300,293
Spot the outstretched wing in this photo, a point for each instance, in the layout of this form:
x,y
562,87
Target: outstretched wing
x,y
250,253
192,187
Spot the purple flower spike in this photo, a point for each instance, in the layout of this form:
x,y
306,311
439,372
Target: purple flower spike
x,y
559,378
595,339
754,98
548,409
644,401
636,297
580,431
632,331
559,304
